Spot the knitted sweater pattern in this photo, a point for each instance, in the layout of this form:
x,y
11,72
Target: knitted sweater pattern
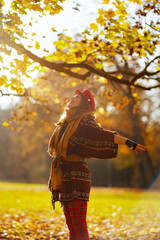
x,y
88,141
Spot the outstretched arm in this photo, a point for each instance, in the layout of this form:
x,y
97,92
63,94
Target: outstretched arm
x,y
131,144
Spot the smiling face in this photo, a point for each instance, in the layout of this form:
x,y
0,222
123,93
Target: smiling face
x,y
75,101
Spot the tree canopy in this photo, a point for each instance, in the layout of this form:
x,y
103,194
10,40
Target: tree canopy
x,y
124,31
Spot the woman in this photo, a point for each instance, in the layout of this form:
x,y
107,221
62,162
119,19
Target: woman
x,y
76,137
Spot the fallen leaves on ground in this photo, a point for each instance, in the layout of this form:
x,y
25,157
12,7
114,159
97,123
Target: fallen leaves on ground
x,y
20,226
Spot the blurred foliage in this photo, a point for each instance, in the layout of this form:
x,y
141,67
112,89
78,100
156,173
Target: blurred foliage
x,y
24,157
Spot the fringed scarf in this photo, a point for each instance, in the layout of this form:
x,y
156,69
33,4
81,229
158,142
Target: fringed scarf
x,y
60,148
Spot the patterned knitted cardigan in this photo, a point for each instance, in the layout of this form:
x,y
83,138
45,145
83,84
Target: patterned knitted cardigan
x,y
88,141
92,141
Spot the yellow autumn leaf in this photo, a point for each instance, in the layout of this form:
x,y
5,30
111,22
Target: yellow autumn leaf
x,y
101,20
61,44
76,69
126,57
68,38
1,59
34,113
136,1
94,27
135,95
98,65
36,80
6,124
2,2
102,80
37,45
106,1
109,14
102,33
101,110
120,76
115,44
56,100
74,84
63,74
53,29
142,53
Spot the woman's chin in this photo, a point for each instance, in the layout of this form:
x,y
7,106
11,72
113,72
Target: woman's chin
x,y
71,105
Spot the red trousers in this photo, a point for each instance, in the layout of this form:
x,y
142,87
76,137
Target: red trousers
x,y
75,212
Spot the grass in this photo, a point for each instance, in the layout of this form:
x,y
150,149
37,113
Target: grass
x,y
26,213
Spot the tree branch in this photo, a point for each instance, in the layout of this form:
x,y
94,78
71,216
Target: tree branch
x,y
14,94
144,71
151,62
148,78
147,88
51,65
152,73
152,27
66,67
123,72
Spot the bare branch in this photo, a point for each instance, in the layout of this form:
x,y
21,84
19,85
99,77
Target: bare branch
x,y
152,27
123,72
148,78
144,71
152,73
147,88
151,62
13,94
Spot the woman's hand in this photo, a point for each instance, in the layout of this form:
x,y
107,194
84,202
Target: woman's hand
x,y
139,147
135,146
131,144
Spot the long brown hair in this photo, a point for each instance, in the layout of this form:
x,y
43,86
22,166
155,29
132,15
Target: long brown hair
x,y
73,113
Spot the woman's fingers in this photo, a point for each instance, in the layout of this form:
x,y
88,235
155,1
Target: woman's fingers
x,y
141,147
136,152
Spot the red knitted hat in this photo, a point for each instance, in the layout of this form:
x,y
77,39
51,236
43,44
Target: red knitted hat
x,y
88,96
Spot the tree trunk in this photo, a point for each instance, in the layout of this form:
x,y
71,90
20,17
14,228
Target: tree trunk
x,y
147,161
